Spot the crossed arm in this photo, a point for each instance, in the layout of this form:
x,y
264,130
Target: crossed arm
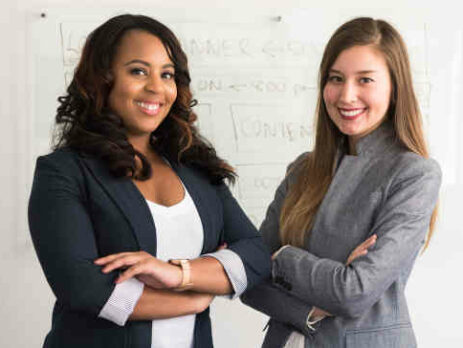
x,y
158,299
284,307
350,289
65,241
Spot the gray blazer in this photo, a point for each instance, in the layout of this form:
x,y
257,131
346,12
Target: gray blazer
x,y
384,190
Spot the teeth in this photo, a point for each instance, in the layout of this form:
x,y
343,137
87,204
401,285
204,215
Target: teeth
x,y
150,107
352,113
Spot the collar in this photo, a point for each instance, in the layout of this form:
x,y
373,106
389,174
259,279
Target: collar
x,y
374,142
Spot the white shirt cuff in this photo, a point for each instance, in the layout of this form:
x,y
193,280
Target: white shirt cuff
x,y
234,268
122,301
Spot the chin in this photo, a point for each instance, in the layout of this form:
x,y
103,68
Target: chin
x,y
348,131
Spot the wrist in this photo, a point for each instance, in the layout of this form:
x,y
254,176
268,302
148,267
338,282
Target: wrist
x,y
178,278
314,316
184,268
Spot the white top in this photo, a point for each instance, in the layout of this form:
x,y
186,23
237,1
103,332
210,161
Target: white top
x,y
179,234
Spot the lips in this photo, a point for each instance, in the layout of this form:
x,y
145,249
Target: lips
x,y
150,108
351,114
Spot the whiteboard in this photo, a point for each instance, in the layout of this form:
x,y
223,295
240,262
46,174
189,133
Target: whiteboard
x,y
255,81
254,74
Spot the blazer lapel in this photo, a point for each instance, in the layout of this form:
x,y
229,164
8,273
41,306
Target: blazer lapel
x,y
130,201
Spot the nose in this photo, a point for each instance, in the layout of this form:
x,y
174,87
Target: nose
x,y
348,92
154,84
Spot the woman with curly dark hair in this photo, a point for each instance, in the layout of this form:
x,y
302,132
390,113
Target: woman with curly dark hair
x,y
130,213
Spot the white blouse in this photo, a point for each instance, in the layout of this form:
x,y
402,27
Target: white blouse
x,y
179,234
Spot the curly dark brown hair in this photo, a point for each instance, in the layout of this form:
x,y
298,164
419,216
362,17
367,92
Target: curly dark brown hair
x,y
85,123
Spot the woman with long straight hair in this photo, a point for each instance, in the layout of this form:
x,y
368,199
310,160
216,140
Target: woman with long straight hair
x,y
350,217
128,212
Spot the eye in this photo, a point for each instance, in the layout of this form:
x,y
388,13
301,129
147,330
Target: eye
x,y
366,80
138,71
168,75
334,78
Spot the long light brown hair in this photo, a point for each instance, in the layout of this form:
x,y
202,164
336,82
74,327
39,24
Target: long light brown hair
x,y
316,171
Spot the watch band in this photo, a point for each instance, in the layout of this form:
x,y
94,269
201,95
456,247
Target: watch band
x,y
186,273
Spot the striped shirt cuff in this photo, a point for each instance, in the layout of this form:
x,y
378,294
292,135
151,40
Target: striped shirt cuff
x,y
234,268
122,301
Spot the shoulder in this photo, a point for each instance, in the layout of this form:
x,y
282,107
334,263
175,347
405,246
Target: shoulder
x,y
60,170
299,160
60,156
407,164
293,171
296,167
65,162
413,179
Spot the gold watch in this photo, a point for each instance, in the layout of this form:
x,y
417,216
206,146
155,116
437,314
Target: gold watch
x,y
186,273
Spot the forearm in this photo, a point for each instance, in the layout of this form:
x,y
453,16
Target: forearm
x,y
346,291
208,276
162,304
279,305
331,285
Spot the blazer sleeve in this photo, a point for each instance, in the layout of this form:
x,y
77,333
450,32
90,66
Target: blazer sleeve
x,y
63,236
401,226
243,238
266,297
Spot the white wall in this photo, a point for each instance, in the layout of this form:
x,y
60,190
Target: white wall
x,y
434,288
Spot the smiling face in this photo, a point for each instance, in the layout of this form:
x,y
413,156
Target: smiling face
x,y
358,91
144,86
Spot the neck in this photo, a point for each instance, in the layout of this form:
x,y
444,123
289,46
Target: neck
x,y
352,141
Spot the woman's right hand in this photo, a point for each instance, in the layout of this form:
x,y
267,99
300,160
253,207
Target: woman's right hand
x,y
361,249
145,267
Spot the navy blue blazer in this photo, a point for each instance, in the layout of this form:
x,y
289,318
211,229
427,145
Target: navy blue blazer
x,y
78,212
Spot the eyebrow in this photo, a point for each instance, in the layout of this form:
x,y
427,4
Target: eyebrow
x,y
361,72
139,61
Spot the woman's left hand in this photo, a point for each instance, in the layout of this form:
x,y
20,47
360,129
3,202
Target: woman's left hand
x,y
145,267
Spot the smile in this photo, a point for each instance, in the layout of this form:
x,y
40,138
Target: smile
x,y
352,113
149,108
